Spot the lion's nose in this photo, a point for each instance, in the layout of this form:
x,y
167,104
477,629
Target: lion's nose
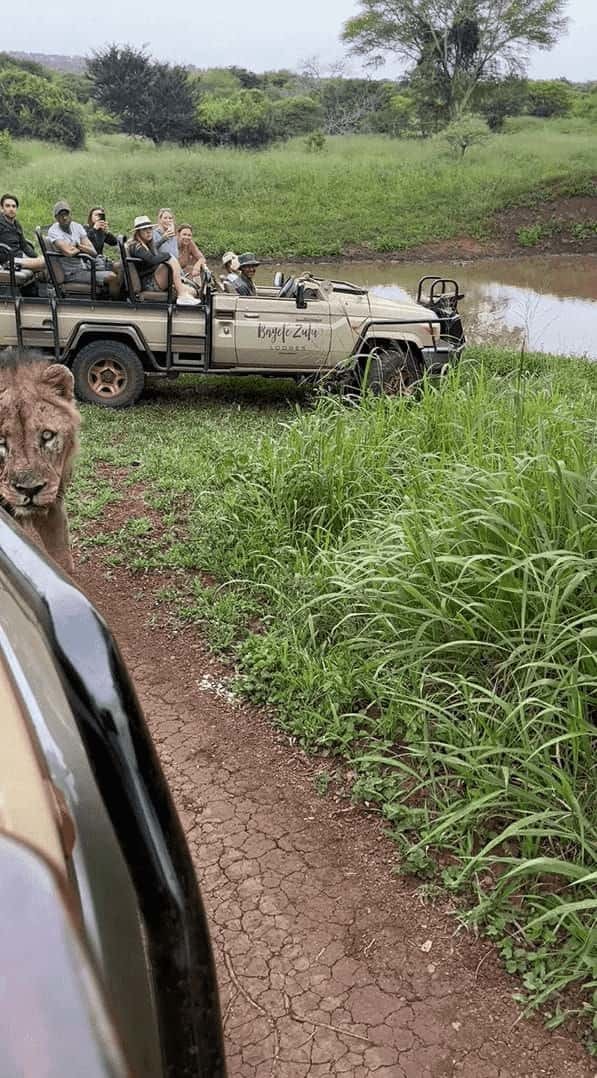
x,y
28,488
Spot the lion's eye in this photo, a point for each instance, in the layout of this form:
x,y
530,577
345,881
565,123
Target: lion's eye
x,y
47,435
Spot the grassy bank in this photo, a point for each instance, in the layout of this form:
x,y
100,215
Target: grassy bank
x,y
362,191
425,580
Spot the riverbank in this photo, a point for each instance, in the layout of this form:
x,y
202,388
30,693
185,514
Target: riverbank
x,y
362,196
556,226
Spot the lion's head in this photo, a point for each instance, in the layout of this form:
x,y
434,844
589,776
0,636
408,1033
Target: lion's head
x,y
39,423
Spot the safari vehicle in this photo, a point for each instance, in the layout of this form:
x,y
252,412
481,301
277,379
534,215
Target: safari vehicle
x,y
303,327
106,962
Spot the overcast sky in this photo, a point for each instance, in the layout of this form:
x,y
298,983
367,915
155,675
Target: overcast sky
x,y
257,34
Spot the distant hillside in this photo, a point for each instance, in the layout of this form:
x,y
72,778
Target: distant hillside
x,y
67,64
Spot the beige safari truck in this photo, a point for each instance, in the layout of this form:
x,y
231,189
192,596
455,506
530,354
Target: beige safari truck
x,y
328,332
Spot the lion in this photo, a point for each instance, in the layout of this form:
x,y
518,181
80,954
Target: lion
x,y
39,427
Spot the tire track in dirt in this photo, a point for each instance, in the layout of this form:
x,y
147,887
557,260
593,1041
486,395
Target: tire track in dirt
x,y
328,963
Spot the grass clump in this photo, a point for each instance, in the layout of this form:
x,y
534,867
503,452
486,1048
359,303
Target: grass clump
x,y
429,577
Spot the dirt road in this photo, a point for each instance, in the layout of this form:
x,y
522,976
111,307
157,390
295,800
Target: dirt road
x,y
329,964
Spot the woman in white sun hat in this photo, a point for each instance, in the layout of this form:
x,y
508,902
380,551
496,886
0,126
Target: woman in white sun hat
x,y
152,264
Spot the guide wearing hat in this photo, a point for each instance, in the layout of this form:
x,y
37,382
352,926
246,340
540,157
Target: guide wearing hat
x,y
244,284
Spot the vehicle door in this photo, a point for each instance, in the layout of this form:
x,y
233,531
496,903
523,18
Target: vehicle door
x,y
274,332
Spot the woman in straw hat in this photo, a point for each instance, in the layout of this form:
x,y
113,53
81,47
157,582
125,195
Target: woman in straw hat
x,y
152,267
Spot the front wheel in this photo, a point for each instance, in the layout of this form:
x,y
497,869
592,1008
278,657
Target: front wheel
x,y
395,372
108,373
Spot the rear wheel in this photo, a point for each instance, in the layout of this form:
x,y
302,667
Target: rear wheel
x,y
394,371
108,373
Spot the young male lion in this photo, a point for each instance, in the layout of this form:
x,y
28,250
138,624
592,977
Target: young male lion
x,y
39,425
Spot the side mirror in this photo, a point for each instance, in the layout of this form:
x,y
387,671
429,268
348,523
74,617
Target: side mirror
x,y
278,279
300,296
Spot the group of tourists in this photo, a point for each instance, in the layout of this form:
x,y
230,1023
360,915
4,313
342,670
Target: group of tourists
x,y
164,251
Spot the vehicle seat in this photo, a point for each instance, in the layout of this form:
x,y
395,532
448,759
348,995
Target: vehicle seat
x,y
55,270
136,287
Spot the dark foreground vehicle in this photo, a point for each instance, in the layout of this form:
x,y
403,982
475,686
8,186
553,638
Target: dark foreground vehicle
x,y
105,958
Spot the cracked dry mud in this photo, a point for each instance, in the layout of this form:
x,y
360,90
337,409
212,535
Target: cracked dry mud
x,y
328,963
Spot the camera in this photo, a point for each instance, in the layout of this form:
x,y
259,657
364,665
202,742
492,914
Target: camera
x,y
101,217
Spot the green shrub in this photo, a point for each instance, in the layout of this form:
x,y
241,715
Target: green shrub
x,y
35,107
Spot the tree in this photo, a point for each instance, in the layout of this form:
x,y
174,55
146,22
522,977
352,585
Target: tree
x,y
150,99
455,44
496,99
246,119
550,98
35,107
465,132
397,117
296,116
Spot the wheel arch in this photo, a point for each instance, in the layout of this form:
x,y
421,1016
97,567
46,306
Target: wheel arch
x,y
370,344
88,332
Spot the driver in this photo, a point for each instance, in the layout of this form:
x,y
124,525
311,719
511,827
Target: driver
x,y
244,283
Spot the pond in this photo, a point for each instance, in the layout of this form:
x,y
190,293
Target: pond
x,y
549,301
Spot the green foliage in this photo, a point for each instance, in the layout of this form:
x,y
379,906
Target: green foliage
x,y
151,99
425,578
585,105
379,193
397,117
34,107
296,116
496,99
530,236
7,148
461,134
553,98
452,47
315,142
243,120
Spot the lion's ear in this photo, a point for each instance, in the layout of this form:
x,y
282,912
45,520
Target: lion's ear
x,y
60,379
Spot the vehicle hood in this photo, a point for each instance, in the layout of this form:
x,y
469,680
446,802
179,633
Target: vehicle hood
x,y
380,307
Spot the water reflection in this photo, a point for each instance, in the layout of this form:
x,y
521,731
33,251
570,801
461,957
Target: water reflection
x,y
550,301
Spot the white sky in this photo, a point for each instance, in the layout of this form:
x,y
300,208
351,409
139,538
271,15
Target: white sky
x,y
257,34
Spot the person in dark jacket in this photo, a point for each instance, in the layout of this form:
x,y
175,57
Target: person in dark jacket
x,y
244,283
97,230
12,236
152,264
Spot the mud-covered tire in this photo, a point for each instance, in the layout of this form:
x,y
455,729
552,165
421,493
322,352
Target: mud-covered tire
x,y
108,373
396,372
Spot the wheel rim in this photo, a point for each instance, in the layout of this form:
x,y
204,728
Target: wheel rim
x,y
400,384
107,378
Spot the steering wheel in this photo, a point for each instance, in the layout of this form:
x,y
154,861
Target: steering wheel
x,y
287,289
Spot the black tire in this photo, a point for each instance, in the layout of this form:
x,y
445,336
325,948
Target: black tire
x,y
108,373
395,371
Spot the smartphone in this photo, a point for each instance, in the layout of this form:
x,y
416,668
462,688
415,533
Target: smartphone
x,y
101,217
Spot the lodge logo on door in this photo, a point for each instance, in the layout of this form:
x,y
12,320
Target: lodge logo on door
x,y
288,333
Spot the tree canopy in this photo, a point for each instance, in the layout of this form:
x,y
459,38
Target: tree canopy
x,y
451,45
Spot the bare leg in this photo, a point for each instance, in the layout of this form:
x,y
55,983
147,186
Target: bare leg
x,y
161,277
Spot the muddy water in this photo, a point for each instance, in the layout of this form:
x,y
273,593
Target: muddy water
x,y
549,300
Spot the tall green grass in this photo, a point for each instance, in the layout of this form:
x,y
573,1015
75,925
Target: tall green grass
x,y
363,191
427,579
424,578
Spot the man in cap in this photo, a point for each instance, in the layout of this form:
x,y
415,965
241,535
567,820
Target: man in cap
x,y
230,264
71,240
244,284
12,236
